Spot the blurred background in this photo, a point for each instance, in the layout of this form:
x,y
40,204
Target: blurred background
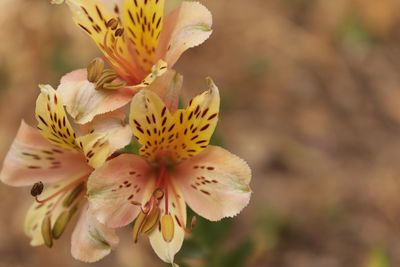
x,y
310,98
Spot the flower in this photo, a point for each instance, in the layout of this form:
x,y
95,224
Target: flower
x,y
176,166
138,41
55,156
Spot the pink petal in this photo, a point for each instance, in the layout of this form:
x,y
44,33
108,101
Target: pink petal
x,y
177,209
192,26
215,183
104,138
83,102
91,240
32,158
168,87
113,188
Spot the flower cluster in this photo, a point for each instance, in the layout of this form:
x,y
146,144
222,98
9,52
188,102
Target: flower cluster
x,y
75,161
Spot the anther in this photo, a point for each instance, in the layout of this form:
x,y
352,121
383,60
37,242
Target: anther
x,y
46,232
95,70
112,23
107,76
158,194
119,32
37,189
167,227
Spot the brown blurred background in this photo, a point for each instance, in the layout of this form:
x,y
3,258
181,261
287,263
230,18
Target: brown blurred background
x,y
310,98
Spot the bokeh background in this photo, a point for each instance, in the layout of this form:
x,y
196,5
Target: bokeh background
x,y
310,98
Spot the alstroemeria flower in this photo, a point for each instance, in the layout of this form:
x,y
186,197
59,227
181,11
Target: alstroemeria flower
x,y
138,41
54,155
176,166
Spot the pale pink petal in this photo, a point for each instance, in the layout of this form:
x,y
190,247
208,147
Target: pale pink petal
x,y
215,183
177,209
168,87
115,131
83,102
192,27
91,240
104,138
32,158
116,187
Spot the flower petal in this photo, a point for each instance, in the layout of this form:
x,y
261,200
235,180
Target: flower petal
x,y
179,137
116,187
105,137
168,87
215,183
91,240
83,102
93,17
143,22
68,195
33,158
166,250
52,119
112,126
192,27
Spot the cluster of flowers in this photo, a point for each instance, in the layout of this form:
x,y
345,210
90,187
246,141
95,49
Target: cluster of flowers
x,y
77,163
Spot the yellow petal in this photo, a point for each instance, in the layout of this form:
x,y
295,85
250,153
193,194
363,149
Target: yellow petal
x,y
178,137
143,21
52,120
95,19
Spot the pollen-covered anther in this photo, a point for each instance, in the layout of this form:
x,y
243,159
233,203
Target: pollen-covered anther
x,y
167,227
37,189
95,70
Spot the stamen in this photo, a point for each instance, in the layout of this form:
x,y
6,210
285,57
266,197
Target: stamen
x,y
62,222
167,227
95,69
62,190
46,232
73,195
107,76
112,24
37,189
151,220
140,220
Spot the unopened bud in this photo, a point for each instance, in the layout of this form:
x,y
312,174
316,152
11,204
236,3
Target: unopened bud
x,y
95,69
37,189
